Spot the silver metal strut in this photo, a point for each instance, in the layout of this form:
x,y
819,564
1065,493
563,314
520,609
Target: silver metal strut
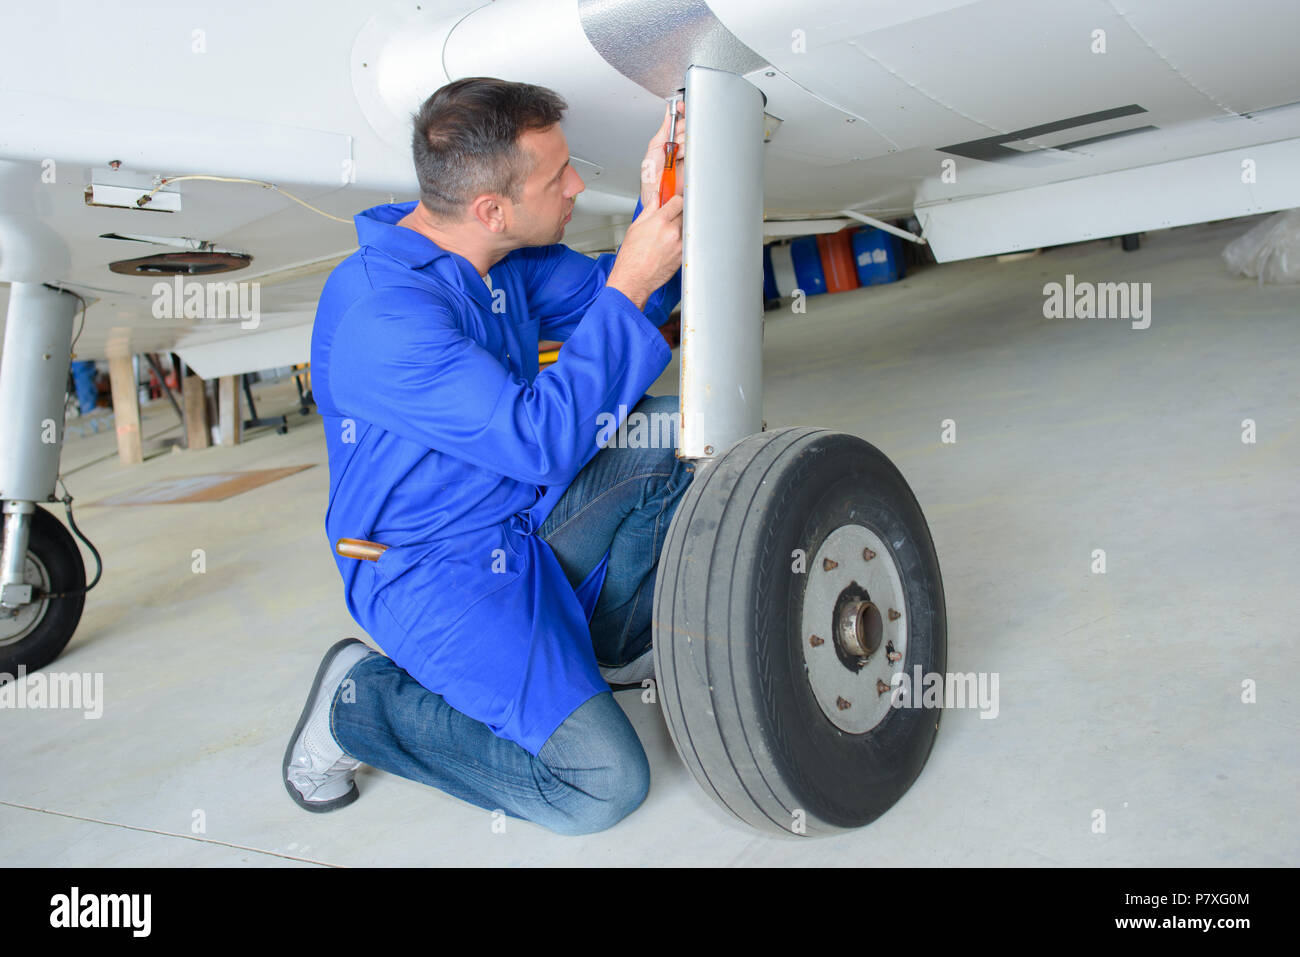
x,y
721,384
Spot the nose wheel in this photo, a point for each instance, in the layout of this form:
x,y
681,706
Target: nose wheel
x,y
798,578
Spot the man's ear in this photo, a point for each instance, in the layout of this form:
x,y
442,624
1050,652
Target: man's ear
x,y
489,210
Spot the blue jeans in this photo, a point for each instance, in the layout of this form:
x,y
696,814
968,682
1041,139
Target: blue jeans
x,y
592,771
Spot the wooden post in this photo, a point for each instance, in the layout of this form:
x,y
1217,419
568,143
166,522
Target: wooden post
x,y
126,409
231,420
197,435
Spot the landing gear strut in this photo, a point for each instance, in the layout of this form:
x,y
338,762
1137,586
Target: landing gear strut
x,y
42,575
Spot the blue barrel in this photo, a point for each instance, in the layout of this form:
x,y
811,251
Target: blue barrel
x,y
878,255
808,265
83,376
769,277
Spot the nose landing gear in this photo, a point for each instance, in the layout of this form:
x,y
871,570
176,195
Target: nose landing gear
x,y
798,581
42,576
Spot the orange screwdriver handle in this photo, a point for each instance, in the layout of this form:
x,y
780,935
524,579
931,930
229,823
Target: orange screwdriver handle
x,y
668,182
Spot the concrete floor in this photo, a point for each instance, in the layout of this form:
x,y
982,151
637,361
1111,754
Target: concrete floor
x,y
1118,691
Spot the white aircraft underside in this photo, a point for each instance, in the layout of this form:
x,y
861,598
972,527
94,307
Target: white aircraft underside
x,y
1001,124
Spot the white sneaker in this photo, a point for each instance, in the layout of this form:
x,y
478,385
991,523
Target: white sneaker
x,y
632,673
317,773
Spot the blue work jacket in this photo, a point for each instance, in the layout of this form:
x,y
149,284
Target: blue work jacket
x,y
448,445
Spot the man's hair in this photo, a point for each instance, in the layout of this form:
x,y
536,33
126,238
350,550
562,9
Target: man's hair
x,y
465,140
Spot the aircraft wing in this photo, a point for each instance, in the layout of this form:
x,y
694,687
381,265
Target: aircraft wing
x,y
1000,124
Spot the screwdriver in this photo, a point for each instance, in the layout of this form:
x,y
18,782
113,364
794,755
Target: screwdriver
x,y
668,182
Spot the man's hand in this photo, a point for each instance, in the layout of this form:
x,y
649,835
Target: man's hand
x,y
652,167
651,252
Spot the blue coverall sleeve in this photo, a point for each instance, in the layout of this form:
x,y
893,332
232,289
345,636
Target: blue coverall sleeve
x,y
561,283
402,362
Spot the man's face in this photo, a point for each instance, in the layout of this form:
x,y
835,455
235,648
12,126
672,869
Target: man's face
x,y
547,197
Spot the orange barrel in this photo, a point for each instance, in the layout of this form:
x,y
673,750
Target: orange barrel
x,y
838,264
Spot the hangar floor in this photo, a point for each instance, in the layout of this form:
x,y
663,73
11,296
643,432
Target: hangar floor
x,y
1119,692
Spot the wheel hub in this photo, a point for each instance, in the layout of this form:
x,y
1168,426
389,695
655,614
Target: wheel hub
x,y
17,623
854,635
858,628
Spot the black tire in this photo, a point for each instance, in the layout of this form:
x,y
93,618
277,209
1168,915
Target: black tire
x,y
54,549
734,685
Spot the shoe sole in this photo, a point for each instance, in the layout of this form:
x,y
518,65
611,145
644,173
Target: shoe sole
x,y
317,807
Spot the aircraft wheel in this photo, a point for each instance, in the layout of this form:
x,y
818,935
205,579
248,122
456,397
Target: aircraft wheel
x,y
797,580
34,634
